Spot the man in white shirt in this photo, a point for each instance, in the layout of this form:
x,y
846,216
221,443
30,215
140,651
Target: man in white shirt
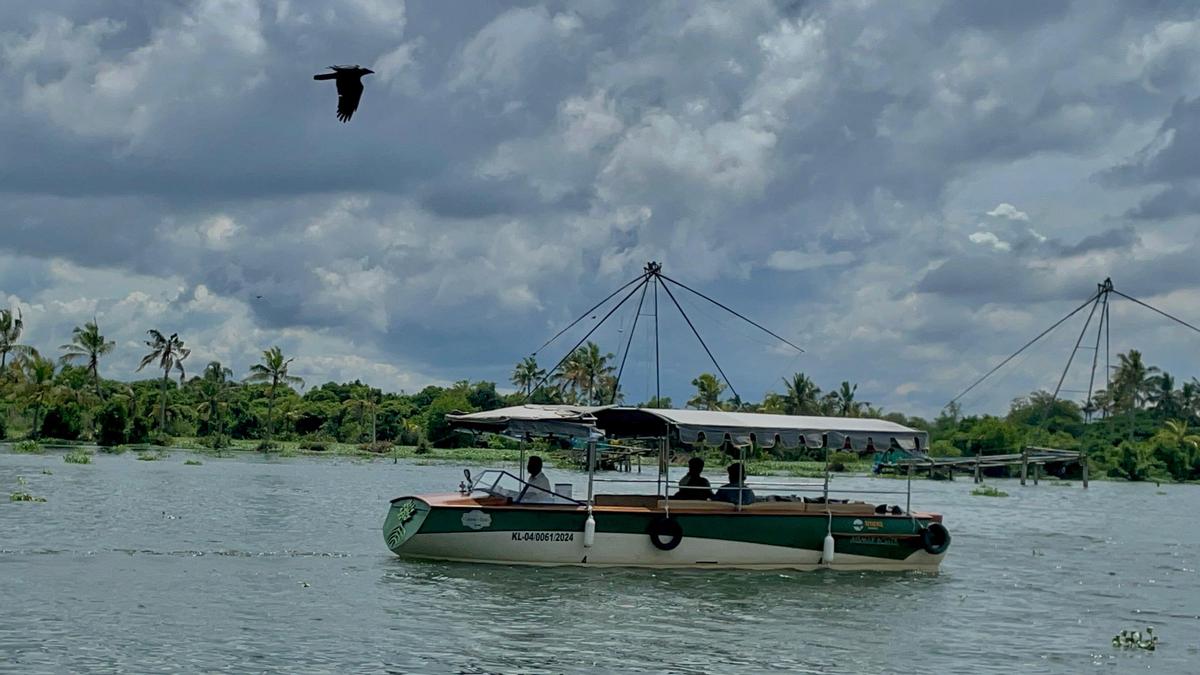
x,y
536,480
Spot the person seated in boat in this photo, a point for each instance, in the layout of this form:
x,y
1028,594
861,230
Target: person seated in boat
x,y
693,485
536,479
735,491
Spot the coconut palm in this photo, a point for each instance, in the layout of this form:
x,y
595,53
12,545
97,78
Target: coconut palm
x,y
526,375
708,392
584,370
844,404
170,353
214,386
36,387
1131,381
1162,395
88,344
10,334
273,370
801,395
1178,431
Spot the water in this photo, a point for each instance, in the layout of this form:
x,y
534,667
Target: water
x,y
256,565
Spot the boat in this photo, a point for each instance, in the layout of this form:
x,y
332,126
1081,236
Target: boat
x,y
492,518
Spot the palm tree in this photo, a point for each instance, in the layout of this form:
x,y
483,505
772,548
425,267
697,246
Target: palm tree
x,y
1178,432
214,385
584,369
37,388
526,375
88,343
1131,381
844,403
801,395
170,353
273,369
1162,395
10,333
708,392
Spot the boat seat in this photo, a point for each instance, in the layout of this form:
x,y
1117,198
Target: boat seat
x,y
792,507
696,505
640,501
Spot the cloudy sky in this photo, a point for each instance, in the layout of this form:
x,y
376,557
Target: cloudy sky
x,y
908,190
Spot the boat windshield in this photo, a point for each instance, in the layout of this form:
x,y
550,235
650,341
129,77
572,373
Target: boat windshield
x,y
500,483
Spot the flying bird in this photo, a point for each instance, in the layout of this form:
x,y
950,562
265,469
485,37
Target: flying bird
x,y
349,87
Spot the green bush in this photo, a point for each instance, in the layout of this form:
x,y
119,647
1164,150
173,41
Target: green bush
x,y
78,456
839,460
161,440
64,422
944,448
376,447
314,445
112,423
29,447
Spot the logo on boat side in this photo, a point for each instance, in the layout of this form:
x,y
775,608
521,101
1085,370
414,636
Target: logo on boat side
x,y
476,520
404,514
857,524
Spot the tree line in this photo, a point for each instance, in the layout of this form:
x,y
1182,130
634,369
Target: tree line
x,y
1140,427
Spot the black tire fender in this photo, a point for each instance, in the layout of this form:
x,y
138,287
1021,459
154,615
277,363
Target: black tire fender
x,y
664,526
935,538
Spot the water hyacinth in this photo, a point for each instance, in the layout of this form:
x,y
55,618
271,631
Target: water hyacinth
x,y
1134,640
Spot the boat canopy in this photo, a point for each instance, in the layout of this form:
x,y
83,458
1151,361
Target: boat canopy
x,y
697,427
567,421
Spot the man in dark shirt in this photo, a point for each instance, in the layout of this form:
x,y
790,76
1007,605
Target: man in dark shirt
x,y
693,485
735,491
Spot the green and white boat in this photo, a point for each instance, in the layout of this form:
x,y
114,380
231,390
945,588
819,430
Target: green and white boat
x,y
491,520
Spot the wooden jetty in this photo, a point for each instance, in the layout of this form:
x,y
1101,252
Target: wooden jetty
x,y
1030,457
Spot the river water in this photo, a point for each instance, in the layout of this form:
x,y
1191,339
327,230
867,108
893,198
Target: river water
x,y
258,565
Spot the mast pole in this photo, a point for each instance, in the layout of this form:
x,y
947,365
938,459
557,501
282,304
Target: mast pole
x,y
657,371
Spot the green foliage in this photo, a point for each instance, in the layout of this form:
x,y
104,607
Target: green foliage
x,y
112,423
20,496
377,447
944,448
988,491
162,440
63,421
192,462
1134,640
314,445
78,456
1132,460
437,430
151,455
838,461
28,447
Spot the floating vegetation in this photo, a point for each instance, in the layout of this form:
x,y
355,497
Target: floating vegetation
x,y
22,495
192,462
1134,640
78,456
151,455
113,449
988,491
47,472
29,447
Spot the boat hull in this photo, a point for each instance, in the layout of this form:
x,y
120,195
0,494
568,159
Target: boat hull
x,y
554,535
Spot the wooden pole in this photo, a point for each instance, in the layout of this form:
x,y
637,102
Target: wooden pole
x,y
1037,472
1024,465
1083,462
979,466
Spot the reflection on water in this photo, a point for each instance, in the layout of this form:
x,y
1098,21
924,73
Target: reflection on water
x,y
278,565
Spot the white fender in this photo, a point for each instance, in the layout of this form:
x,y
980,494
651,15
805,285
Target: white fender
x,y
827,550
589,531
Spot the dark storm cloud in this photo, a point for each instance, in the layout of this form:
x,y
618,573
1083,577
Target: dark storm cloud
x,y
510,163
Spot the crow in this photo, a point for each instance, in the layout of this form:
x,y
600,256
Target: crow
x,y
349,87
